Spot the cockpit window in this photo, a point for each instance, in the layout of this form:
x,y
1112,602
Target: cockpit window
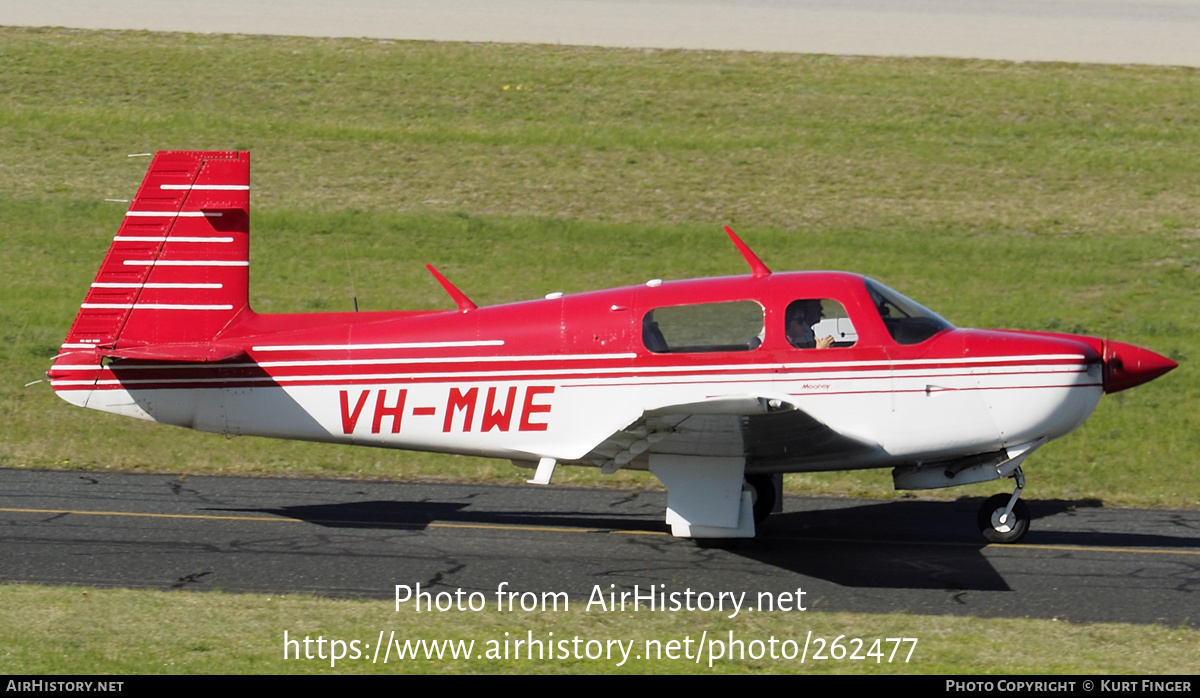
x,y
818,323
906,320
703,327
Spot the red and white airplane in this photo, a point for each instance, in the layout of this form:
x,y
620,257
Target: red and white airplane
x,y
717,386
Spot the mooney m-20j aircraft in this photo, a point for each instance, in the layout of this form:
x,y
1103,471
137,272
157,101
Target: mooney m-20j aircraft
x,y
715,385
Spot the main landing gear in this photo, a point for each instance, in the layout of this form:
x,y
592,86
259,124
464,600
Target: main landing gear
x,y
1005,518
762,490
763,495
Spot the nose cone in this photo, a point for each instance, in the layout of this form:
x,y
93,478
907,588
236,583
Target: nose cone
x,y
1126,366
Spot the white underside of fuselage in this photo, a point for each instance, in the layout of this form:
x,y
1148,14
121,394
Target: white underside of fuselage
x,y
961,407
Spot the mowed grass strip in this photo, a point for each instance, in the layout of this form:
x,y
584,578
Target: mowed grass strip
x,y
781,141
1031,196
83,630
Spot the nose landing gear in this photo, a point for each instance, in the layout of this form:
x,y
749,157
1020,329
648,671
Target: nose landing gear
x,y
1005,518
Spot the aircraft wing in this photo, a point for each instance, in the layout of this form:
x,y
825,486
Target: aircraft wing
x,y
760,429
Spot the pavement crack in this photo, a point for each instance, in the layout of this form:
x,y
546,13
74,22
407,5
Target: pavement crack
x,y
190,579
625,500
178,489
440,576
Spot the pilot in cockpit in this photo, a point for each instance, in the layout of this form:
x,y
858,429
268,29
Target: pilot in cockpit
x,y
800,317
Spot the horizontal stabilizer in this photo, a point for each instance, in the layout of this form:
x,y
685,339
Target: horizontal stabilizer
x,y
192,353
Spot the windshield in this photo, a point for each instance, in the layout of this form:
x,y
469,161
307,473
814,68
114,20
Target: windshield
x,y
906,320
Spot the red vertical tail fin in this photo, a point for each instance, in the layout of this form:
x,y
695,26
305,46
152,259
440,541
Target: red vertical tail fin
x,y
178,270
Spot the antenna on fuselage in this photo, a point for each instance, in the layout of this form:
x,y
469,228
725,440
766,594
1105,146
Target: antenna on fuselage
x,y
757,268
460,298
350,272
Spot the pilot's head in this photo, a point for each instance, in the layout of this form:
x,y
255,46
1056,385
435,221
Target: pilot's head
x,y
806,311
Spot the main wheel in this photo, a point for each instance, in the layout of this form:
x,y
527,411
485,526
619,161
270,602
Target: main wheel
x,y
1010,531
763,489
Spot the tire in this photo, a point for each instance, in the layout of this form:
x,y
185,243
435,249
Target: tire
x,y
763,488
1008,532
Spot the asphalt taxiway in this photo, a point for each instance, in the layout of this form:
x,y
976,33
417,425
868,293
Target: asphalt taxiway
x,y
1081,561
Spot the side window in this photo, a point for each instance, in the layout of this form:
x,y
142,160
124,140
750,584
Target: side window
x,y
700,327
818,323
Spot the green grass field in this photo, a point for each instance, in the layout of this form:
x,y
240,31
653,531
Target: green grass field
x,y
1028,196
101,631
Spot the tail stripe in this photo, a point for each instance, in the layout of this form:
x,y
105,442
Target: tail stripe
x,y
183,263
144,238
206,187
122,285
156,306
172,214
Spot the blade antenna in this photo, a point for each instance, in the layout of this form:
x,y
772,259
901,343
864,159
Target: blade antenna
x,y
350,271
460,298
757,268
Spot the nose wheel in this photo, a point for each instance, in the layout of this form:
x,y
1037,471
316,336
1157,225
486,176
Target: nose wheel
x,y
1004,518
